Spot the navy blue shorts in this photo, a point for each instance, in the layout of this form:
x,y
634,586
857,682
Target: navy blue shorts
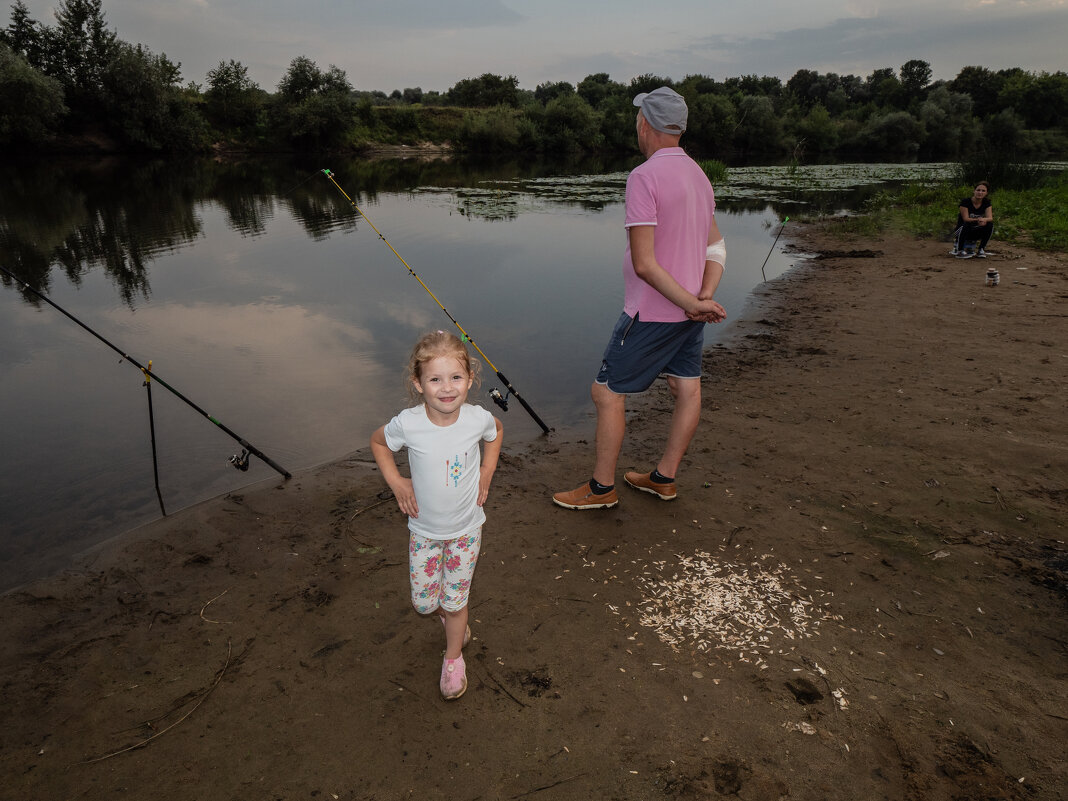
x,y
639,352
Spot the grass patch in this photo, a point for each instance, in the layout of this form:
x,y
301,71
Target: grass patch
x,y
715,170
1035,216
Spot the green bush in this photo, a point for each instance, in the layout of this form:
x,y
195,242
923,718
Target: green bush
x,y
493,131
1003,172
32,103
569,126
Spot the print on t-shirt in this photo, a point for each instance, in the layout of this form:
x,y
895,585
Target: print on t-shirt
x,y
455,469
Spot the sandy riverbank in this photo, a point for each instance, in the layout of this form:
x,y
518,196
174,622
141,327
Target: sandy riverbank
x,y
879,487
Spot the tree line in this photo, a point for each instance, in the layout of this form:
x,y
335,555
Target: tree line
x,y
76,82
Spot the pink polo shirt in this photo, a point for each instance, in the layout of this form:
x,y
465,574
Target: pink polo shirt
x,y
668,190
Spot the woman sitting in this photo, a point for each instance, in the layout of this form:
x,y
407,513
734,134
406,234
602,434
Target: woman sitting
x,y
975,223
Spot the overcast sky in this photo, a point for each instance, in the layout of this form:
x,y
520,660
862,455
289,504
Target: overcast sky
x,y
432,44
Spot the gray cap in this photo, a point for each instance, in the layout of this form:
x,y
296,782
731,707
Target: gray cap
x,y
663,107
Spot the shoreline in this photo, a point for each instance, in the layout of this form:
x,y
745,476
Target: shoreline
x,y
73,560
884,439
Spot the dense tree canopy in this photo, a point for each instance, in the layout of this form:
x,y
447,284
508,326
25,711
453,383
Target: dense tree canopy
x,y
32,103
76,76
485,90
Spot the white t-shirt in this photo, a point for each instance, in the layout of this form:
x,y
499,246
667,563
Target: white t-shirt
x,y
445,462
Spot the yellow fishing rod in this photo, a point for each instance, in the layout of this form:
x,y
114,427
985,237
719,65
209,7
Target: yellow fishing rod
x,y
498,398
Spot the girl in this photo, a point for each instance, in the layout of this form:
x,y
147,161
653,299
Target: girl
x,y
449,484
975,223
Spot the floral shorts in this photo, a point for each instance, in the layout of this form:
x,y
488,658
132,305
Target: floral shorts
x,y
441,571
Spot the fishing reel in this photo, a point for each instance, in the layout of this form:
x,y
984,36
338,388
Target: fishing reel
x,y
499,399
240,462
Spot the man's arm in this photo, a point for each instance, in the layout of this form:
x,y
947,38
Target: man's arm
x,y
713,267
643,255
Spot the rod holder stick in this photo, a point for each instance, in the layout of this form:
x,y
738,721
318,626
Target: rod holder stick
x,y
772,249
152,431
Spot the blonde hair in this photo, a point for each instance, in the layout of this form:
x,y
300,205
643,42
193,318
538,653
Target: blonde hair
x,y
435,344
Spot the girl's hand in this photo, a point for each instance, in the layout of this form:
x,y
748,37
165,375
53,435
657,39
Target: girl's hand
x,y
485,478
405,495
483,487
491,452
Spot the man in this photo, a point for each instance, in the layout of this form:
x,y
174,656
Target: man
x,y
672,266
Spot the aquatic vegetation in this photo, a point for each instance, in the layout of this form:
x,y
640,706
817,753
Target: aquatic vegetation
x,y
816,188
716,171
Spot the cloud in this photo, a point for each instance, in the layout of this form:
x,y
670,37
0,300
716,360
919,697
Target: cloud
x,y
403,16
945,39
865,9
432,44
432,14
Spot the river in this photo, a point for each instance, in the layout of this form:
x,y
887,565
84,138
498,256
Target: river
x,y
261,295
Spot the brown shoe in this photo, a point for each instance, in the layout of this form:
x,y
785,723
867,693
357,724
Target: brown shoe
x,y
645,483
584,498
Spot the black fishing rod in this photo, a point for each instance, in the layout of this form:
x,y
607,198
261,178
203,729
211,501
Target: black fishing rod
x,y
240,462
772,249
495,394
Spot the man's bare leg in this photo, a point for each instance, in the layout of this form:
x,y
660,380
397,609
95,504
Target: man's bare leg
x,y
684,420
611,426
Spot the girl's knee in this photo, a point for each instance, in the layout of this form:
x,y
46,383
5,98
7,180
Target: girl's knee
x,y
423,607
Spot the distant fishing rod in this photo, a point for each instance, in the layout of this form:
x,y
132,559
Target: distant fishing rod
x,y
240,462
495,394
772,249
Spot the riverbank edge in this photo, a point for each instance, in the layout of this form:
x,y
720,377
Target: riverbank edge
x,y
755,309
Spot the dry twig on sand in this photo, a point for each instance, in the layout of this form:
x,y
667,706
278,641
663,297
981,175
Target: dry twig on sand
x,y
209,603
157,735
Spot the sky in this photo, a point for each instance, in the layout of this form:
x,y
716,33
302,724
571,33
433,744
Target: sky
x,y
432,44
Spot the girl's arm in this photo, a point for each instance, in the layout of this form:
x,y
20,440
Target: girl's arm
x,y
491,451
401,486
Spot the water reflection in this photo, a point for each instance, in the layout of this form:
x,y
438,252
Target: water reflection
x,y
259,293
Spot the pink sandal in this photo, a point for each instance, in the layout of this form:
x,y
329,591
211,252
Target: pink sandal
x,y
453,678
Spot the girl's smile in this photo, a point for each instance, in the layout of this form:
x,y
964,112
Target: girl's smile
x,y
444,384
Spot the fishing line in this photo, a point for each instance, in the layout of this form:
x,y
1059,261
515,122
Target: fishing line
x,y
240,462
772,249
495,394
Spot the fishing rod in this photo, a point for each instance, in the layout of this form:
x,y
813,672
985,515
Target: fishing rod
x,y
240,462
495,394
772,249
